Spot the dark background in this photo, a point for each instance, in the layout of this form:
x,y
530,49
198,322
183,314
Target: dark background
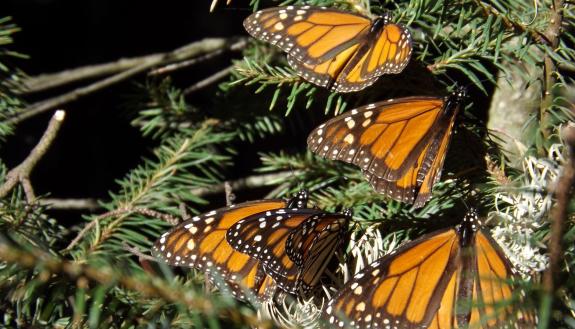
x,y
96,144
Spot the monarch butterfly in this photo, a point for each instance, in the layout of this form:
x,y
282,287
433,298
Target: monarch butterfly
x,y
341,51
200,243
294,245
451,278
400,145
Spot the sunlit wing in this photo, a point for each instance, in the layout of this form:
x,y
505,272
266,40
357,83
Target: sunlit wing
x,y
415,186
308,34
384,139
384,292
339,50
454,278
200,243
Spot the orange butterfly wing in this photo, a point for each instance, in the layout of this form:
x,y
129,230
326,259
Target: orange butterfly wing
x,y
427,283
331,48
400,145
416,184
200,243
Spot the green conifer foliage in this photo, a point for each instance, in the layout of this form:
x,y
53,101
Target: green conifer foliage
x,y
96,274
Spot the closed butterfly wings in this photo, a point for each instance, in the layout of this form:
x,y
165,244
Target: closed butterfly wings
x,y
400,145
294,245
342,51
200,243
455,278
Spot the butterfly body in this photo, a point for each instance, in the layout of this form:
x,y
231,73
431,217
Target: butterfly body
x,y
451,278
399,144
293,244
200,243
339,50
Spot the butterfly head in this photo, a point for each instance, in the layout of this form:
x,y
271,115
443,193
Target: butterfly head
x,y
347,212
459,94
379,22
299,200
469,226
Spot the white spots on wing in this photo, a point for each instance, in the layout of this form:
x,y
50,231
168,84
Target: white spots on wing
x,y
279,26
258,238
191,244
283,16
300,12
367,114
360,307
298,18
366,123
350,123
209,220
319,132
349,139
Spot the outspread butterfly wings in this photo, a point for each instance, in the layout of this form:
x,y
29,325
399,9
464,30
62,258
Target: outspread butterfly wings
x,y
339,50
454,278
400,145
294,245
200,243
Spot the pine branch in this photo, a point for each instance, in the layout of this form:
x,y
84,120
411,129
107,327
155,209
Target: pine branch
x,y
22,172
110,277
151,185
552,34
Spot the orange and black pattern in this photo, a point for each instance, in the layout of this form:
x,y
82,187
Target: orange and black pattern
x,y
200,243
400,145
339,50
454,278
294,245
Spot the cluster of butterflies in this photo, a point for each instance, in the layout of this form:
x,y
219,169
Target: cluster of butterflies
x,y
452,278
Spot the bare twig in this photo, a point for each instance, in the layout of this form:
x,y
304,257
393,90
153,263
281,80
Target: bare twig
x,y
52,80
193,49
70,204
230,197
136,252
184,212
209,80
180,65
563,194
246,183
143,211
21,173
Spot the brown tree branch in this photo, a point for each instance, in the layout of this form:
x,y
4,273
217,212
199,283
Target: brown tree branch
x,y
52,80
552,34
70,204
208,81
193,49
22,172
563,193
489,10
